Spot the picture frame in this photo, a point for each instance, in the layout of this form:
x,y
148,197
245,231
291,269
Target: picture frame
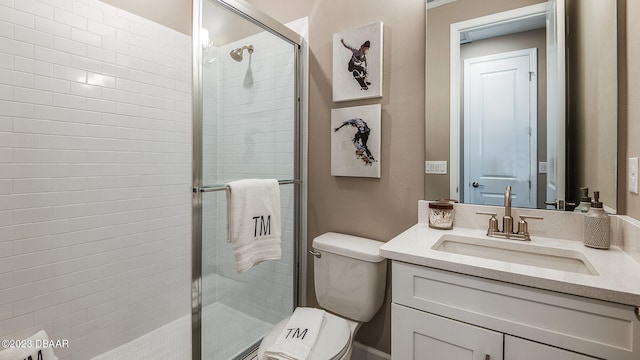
x,y
355,141
358,63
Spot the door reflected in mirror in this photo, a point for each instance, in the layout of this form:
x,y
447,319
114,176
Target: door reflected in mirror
x,y
509,123
503,73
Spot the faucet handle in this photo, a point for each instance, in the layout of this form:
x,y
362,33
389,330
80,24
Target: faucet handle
x,y
493,222
523,226
525,217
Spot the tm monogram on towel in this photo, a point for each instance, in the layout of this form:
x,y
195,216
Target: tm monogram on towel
x,y
254,221
298,337
265,227
296,333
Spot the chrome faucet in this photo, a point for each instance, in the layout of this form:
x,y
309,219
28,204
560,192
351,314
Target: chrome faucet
x,y
507,222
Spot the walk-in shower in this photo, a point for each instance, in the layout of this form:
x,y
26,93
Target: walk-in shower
x,y
241,132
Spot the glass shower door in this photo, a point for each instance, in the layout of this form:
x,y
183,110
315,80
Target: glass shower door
x,y
247,129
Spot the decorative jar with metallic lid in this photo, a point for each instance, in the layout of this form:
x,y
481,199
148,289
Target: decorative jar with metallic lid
x,y
441,215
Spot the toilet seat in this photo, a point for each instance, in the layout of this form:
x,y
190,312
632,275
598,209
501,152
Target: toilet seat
x,y
332,343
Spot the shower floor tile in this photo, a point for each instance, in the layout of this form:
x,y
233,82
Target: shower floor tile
x,y
226,333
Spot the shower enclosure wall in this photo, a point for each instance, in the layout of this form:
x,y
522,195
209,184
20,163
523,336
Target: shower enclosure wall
x,y
246,116
95,175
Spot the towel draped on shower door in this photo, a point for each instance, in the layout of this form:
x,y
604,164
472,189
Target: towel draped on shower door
x,y
253,221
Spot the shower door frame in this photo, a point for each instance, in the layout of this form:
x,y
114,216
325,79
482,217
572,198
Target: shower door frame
x,y
263,20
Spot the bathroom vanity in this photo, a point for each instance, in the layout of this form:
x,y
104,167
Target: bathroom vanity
x,y
459,294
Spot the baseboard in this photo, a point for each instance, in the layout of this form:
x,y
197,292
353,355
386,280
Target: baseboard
x,y
364,352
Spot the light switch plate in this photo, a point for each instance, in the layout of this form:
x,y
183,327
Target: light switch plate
x,y
542,167
435,167
633,175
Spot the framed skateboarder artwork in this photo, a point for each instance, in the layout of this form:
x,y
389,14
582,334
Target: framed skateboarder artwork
x,y
357,63
355,141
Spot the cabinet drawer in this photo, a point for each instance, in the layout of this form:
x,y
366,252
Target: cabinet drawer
x,y
521,349
599,328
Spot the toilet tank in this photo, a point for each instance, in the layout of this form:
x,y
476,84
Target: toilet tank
x,y
350,275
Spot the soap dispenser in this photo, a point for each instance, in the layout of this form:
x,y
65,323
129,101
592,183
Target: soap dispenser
x,y
596,225
585,201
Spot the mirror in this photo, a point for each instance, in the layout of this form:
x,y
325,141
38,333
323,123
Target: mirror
x,y
524,138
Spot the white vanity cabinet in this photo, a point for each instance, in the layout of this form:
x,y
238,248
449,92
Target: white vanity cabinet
x,y
421,335
439,314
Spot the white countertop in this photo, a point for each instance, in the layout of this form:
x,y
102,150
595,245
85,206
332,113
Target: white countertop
x,y
618,278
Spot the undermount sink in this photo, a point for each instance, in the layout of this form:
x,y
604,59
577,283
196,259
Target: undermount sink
x,y
516,252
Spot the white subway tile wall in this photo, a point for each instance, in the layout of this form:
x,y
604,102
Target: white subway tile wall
x,y
95,173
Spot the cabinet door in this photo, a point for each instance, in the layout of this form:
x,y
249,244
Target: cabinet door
x,y
521,349
420,335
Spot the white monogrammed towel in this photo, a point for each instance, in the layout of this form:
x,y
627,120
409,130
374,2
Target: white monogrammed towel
x,y
254,222
296,341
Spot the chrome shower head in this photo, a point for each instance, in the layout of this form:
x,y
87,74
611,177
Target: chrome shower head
x,y
236,54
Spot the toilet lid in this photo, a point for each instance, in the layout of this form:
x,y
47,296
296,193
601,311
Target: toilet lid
x,y
332,342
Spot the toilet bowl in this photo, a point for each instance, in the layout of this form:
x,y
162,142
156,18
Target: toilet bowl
x,y
350,281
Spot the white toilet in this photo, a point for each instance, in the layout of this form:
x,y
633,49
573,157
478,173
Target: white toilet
x,y
350,279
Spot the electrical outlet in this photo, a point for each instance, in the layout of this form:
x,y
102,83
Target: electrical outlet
x,y
633,175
